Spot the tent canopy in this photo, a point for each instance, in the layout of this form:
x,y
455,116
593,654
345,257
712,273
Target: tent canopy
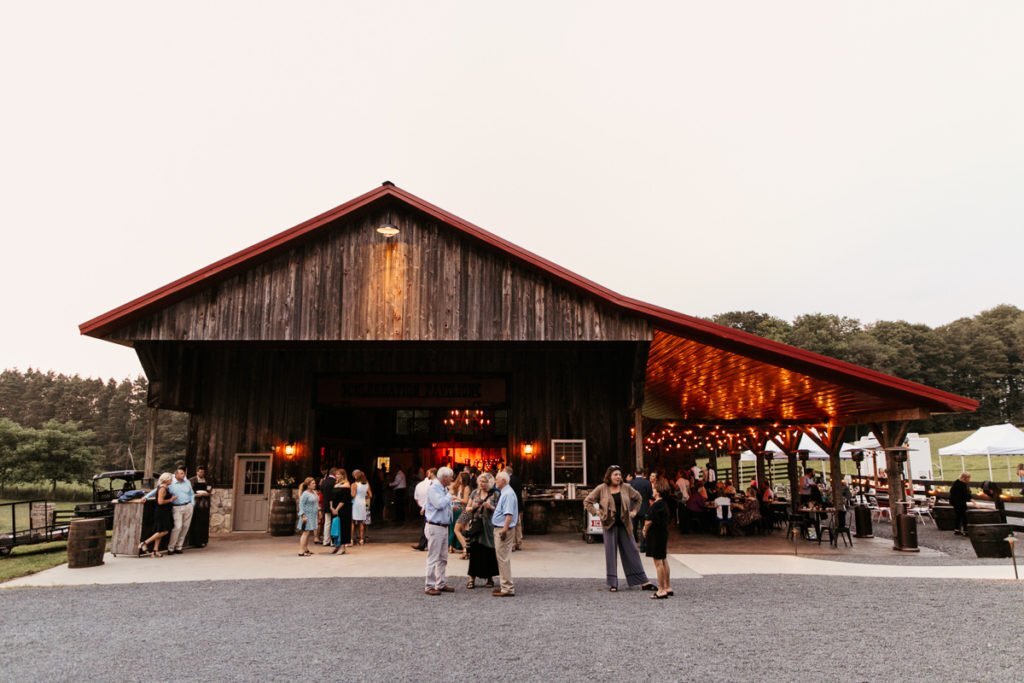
x,y
1002,439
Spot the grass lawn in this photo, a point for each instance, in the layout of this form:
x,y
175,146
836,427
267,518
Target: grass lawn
x,y
30,559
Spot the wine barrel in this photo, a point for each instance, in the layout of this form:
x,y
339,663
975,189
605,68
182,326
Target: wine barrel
x,y
282,515
535,519
87,541
984,516
989,540
945,517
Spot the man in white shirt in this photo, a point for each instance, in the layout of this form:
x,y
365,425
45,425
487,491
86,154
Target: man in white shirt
x,y
420,494
400,486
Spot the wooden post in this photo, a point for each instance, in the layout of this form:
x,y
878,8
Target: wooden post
x,y
794,482
759,466
831,441
735,470
150,443
638,437
891,435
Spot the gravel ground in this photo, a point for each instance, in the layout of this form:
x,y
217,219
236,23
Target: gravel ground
x,y
751,628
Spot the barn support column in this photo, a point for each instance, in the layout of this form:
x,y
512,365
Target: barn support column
x,y
638,438
892,435
151,424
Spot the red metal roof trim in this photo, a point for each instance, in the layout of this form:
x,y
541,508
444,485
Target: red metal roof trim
x,y
671,321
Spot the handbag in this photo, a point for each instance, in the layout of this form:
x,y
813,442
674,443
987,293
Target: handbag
x,y
473,527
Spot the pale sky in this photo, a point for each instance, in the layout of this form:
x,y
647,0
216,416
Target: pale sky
x,y
859,158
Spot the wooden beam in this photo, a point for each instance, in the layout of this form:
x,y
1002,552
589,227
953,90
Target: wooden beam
x,y
905,414
891,434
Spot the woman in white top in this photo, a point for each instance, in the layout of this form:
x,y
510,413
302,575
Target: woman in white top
x,y
360,506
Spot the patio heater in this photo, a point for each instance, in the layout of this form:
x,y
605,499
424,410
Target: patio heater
x,y
861,513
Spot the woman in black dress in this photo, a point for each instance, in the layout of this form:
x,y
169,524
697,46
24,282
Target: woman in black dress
x,y
483,562
341,508
656,532
164,521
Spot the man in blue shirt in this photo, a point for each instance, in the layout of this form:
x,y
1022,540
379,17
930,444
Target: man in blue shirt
x,y
438,516
182,510
504,520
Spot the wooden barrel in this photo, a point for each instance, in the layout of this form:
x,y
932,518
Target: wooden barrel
x,y
984,516
945,517
535,518
282,516
989,540
87,541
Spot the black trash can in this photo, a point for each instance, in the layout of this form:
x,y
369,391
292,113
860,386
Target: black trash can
x,y
945,517
862,515
989,540
984,516
906,529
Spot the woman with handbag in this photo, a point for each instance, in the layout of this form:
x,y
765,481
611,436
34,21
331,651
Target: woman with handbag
x,y
479,532
618,504
309,506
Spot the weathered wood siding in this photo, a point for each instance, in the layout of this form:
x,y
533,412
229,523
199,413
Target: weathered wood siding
x,y
428,283
253,396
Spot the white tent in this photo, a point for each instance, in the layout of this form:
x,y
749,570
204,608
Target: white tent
x,y
814,451
1002,439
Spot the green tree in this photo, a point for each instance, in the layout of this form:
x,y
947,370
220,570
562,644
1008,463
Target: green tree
x,y
761,324
11,460
59,451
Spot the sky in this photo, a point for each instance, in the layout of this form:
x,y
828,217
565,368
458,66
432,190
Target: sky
x,y
858,158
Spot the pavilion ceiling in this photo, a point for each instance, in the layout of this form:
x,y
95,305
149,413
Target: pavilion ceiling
x,y
694,381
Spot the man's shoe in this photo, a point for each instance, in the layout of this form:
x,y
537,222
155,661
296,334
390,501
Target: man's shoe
x,y
432,591
446,589
416,547
502,594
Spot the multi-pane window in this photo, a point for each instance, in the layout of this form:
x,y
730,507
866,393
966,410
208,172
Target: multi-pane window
x,y
568,461
255,477
408,422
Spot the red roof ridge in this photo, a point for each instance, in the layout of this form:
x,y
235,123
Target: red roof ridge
x,y
671,321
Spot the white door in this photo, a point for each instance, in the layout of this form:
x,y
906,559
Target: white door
x,y
252,492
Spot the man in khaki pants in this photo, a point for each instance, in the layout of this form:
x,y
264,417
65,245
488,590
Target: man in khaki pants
x,y
504,520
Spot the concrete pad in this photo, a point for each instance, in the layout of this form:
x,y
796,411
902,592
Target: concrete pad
x,y
259,556
708,564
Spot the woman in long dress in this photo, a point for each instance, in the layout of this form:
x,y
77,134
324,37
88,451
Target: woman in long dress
x,y
483,563
361,496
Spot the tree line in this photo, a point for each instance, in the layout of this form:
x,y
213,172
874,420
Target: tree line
x,y
981,357
56,427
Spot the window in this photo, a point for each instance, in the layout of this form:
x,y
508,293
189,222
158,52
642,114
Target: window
x,y
255,477
408,422
568,461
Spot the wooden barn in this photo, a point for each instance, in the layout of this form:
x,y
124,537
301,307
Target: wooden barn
x,y
390,333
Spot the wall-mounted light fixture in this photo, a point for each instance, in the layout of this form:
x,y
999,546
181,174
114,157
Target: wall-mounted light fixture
x,y
527,449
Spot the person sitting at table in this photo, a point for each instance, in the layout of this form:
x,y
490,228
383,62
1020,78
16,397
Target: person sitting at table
x,y
748,514
696,508
723,513
729,489
815,499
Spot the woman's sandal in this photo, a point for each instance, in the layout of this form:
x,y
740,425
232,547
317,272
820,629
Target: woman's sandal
x,y
156,553
143,549
659,596
648,587
465,556
490,583
670,592
613,589
471,584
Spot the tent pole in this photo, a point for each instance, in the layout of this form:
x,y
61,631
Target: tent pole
x,y
989,456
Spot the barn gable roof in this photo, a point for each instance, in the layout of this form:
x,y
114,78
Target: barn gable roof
x,y
671,326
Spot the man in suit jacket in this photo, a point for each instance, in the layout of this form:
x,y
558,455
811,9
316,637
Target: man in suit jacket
x,y
326,489
643,487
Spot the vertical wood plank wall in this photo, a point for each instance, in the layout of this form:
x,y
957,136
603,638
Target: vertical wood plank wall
x,y
254,396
